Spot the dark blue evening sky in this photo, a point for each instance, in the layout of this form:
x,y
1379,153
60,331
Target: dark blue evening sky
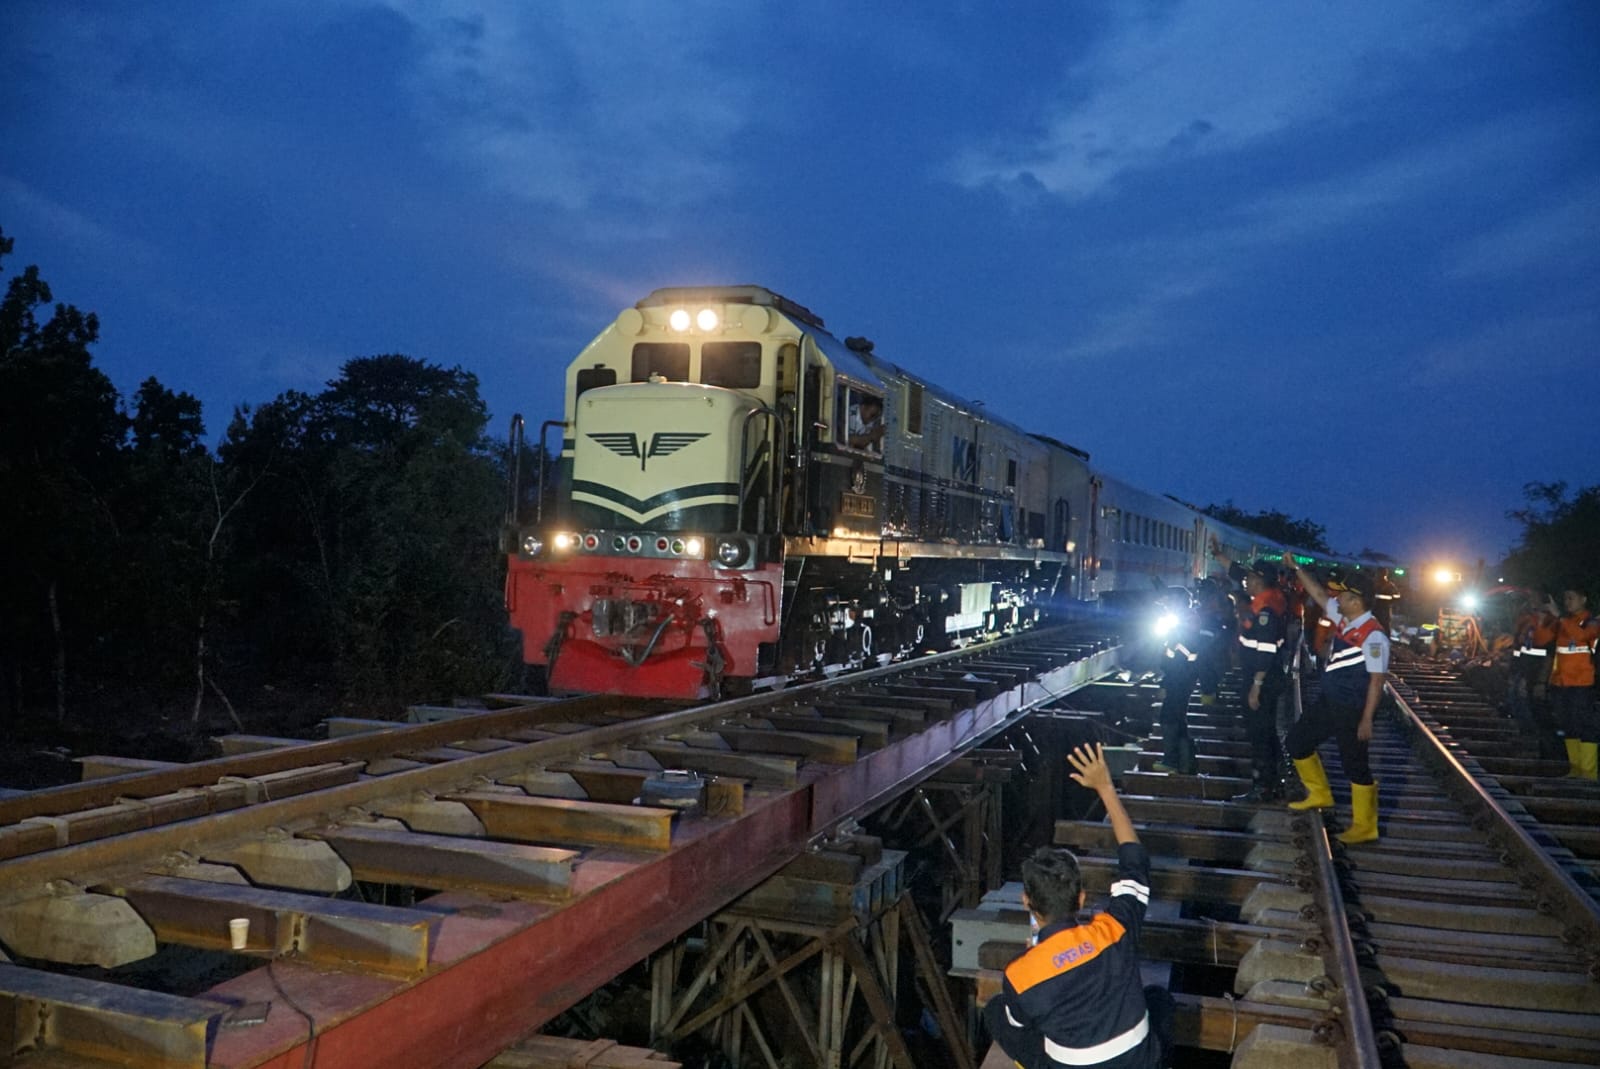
x,y
1336,258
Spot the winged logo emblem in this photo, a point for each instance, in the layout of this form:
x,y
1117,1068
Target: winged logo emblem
x,y
662,443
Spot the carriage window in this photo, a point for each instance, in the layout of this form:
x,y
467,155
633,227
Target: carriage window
x,y
669,359
1011,474
914,408
735,364
590,378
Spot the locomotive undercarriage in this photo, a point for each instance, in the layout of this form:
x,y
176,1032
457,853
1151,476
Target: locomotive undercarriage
x,y
841,614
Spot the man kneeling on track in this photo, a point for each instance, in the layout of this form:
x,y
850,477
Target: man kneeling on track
x,y
1075,997
1347,703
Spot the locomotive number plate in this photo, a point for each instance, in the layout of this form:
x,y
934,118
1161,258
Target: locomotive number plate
x,y
857,505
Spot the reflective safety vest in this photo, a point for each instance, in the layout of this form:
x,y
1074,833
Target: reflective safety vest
x,y
1341,683
1576,636
1533,637
1261,632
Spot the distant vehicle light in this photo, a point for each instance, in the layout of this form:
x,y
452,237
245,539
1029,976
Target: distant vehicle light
x,y
679,320
532,545
1469,602
1444,575
707,319
564,540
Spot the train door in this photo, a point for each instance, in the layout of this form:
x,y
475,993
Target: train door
x,y
1061,540
806,428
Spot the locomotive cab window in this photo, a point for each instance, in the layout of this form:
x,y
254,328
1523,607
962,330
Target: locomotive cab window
x,y
861,415
590,378
669,359
734,364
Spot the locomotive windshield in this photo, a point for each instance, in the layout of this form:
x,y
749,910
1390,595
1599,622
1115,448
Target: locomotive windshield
x,y
669,359
734,364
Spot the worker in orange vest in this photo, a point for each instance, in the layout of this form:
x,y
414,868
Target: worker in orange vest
x,y
1572,682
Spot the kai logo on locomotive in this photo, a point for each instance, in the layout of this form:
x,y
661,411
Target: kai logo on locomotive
x,y
662,443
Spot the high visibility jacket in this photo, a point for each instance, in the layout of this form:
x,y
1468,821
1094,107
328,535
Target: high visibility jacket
x,y
1261,631
1576,636
1532,635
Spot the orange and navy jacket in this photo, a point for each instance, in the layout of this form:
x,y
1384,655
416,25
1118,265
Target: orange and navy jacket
x,y
1576,636
1532,635
1261,631
1075,998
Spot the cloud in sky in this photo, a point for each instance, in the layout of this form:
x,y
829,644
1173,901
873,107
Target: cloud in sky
x,y
572,103
1171,83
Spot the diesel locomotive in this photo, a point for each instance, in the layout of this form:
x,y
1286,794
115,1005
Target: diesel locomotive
x,y
741,498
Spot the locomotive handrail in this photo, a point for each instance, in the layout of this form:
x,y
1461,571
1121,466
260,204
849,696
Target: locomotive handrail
x,y
744,452
544,458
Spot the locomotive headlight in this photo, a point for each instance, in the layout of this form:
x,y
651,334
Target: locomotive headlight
x,y
679,320
563,541
1164,624
707,319
532,545
694,546
731,552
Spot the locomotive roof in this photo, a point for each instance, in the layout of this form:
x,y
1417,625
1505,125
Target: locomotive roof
x,y
759,295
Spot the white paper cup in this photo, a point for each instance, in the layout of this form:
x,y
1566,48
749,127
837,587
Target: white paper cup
x,y
239,932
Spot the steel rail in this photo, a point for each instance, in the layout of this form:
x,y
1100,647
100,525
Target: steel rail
x,y
68,863
107,790
1580,907
1357,1045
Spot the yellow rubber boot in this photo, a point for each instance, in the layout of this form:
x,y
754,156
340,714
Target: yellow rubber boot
x,y
1363,814
1589,759
1318,793
1574,758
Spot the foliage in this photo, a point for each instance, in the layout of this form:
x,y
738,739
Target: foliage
x,y
1273,525
347,535
372,538
60,431
1560,546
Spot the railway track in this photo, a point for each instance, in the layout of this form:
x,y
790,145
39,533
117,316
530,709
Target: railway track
x,y
424,895
1469,935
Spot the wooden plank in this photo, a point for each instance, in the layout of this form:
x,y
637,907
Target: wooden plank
x,y
385,854
562,820
763,768
334,932
814,746
98,766
107,1023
